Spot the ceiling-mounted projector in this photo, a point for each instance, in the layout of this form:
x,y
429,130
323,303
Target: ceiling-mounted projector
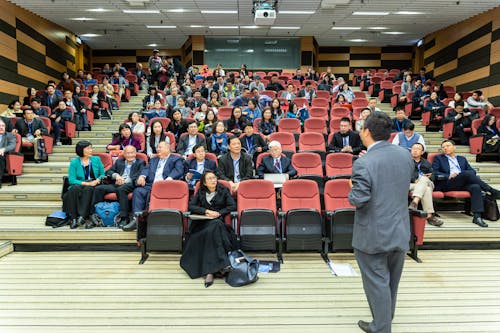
x,y
264,16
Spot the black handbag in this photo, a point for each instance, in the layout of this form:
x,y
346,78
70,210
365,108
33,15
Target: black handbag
x,y
244,271
490,209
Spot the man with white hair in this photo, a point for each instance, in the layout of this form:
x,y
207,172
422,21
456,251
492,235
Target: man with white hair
x,y
276,162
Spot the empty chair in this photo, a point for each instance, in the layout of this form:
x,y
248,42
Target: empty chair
x,y
164,224
340,214
301,220
316,125
359,102
318,112
338,165
320,102
309,166
300,101
224,112
340,112
385,92
256,221
14,161
312,142
323,94
270,93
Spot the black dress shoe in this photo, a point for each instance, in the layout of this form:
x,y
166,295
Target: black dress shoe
x,y
479,221
131,226
209,280
38,161
73,224
80,221
365,327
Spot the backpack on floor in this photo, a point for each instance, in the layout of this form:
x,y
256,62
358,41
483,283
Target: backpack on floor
x,y
107,211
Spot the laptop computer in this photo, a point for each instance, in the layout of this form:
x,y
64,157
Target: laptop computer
x,y
276,178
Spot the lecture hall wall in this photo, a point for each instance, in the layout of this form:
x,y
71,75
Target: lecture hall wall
x,y
32,51
467,54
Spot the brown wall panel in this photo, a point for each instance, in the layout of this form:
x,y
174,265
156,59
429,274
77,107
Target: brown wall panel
x,y
469,77
495,52
8,46
54,64
477,44
396,56
111,60
34,74
28,41
12,88
365,49
364,63
333,56
445,68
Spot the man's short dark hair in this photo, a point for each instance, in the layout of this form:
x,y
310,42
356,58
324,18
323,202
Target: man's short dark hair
x,y
210,78
380,126
448,140
398,108
36,99
197,146
345,119
231,138
409,126
308,83
478,92
418,144
29,109
459,103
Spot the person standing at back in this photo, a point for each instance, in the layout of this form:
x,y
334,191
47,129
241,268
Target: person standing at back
x,y
381,235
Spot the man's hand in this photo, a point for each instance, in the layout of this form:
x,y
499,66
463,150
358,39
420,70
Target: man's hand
x,y
37,132
119,180
453,175
212,214
141,181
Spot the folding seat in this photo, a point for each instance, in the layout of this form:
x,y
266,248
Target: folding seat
x,y
334,125
495,112
382,70
396,90
300,101
356,113
356,79
88,106
374,87
287,141
256,123
309,166
162,227
394,71
14,161
224,112
317,125
312,142
48,139
300,217
359,102
106,160
289,125
323,94
448,127
171,138
340,112
338,165
340,214
270,93
450,91
409,104
255,221
476,142
384,95
319,112
142,140
272,73
320,102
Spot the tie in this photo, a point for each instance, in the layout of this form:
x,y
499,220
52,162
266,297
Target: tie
x,y
277,167
236,165
346,141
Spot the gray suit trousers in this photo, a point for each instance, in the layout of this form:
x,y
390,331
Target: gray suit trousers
x,y
381,273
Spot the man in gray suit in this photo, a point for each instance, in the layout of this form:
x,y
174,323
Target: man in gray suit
x,y
380,182
7,144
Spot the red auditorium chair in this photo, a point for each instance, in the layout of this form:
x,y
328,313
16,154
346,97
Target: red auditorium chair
x,y
495,112
164,121
476,142
316,125
340,112
162,227
171,138
312,142
255,221
448,127
289,125
323,94
270,93
309,166
396,90
374,87
338,165
358,73
340,214
450,91
113,196
319,112
287,141
320,102
334,125
106,160
300,101
224,112
256,123
359,102
359,94
356,113
384,95
142,140
300,216
14,161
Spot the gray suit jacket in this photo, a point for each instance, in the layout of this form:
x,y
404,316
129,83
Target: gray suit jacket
x,y
381,179
8,142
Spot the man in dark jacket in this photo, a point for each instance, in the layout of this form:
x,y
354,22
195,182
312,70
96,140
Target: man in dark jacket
x,y
276,163
31,130
346,140
461,119
235,166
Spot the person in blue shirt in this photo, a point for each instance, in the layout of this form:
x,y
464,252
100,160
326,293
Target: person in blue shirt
x,y
399,122
252,112
294,112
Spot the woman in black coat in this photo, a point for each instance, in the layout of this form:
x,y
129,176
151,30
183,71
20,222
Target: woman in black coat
x,y
491,135
209,240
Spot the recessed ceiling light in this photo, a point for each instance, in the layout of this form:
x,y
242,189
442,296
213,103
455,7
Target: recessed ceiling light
x,y
357,40
82,19
346,28
297,12
178,10
141,11
98,10
249,51
285,28
223,27
152,45
219,12
161,26
249,27
90,35
377,28
196,26
393,33
371,13
405,12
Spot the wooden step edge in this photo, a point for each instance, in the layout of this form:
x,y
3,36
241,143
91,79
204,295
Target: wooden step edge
x,y
6,247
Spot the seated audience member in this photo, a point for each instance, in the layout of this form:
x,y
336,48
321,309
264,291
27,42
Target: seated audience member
x,y
206,123
58,117
165,166
109,91
200,164
407,138
477,100
78,92
50,97
135,124
257,83
124,174
288,94
31,94
340,82
123,139
267,125
294,112
308,92
36,106
215,100
242,100
7,144
157,110
340,100
181,106
372,105
197,100
458,97
421,93
262,100
422,184
209,240
230,92
67,83
407,87
151,98
236,122
362,117
399,122
219,140
178,125
276,111
325,84
423,76
299,76
252,111
252,142
187,142
207,87
439,90
118,79
31,130
454,173
89,80
201,112
489,130
106,70
235,166
461,118
274,84
329,74
346,140
238,85
276,163
311,74
97,96
79,107
156,135
12,110
436,108
84,175
174,96
243,70
347,92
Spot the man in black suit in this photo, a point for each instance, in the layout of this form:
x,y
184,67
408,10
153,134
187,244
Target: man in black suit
x,y
454,173
31,130
207,88
150,98
124,173
461,119
235,166
187,142
165,166
199,163
7,144
276,163
197,100
274,84
50,98
82,123
346,140
253,143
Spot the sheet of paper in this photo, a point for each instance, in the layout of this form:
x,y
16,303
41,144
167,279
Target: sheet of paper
x,y
342,269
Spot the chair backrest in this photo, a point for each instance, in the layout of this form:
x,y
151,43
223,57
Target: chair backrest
x,y
270,93
335,194
339,112
386,84
173,194
256,193
106,160
142,140
318,112
300,101
300,193
87,101
359,94
46,121
287,140
475,125
289,125
321,102
430,157
495,112
317,125
224,112
164,121
323,94
359,102
312,141
338,164
335,125
307,164
19,141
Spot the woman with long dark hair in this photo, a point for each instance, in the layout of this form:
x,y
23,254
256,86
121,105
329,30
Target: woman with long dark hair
x,y
157,135
237,122
489,130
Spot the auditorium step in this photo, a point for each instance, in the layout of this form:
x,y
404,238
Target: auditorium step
x,y
40,179
28,192
28,208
